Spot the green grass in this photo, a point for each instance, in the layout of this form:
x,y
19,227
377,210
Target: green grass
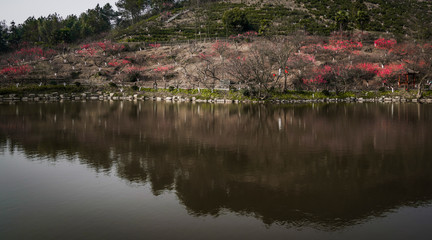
x,y
206,94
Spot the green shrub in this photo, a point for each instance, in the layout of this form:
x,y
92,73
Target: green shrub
x,y
236,19
325,92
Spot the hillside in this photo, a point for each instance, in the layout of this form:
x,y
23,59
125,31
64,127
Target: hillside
x,y
283,17
257,47
339,63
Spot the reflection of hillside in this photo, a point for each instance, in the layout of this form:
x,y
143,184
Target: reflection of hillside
x,y
323,164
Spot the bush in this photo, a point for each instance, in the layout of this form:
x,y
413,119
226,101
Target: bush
x,y
135,88
252,92
236,19
77,84
325,92
133,76
111,84
246,92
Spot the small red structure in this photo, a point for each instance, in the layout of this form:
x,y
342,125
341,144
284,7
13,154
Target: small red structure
x,y
407,79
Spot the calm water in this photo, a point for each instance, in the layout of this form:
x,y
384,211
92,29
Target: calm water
x,y
147,170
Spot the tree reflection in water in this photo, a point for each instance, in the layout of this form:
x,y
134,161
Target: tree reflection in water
x,y
326,165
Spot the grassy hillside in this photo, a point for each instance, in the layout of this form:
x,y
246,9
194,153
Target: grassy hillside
x,y
284,17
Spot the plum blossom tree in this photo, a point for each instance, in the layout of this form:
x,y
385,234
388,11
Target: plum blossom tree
x,y
285,50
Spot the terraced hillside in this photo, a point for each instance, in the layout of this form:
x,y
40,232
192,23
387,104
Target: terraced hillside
x,y
283,17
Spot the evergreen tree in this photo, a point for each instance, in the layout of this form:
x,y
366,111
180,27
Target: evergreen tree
x,y
362,19
30,31
342,20
131,9
235,19
14,36
73,24
3,37
49,27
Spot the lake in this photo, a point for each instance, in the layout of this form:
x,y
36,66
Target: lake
x,y
155,170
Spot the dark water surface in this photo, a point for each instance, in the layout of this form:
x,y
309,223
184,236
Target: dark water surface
x,y
152,170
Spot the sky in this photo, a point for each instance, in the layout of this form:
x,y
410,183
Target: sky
x,y
20,10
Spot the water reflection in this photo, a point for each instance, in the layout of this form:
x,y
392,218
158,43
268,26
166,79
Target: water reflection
x,y
323,165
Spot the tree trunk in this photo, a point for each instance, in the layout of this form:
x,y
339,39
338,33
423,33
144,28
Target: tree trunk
x,y
420,86
419,91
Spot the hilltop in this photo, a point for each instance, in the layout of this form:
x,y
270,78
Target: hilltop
x,y
199,19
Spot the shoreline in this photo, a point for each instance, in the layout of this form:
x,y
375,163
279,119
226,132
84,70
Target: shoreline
x,y
115,96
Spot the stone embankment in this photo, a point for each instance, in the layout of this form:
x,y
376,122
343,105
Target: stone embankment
x,y
142,97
